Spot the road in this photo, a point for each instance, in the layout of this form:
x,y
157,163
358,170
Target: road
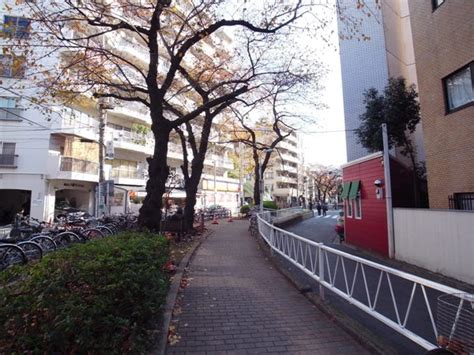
x,y
321,229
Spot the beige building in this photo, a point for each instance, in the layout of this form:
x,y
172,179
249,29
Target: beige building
x,y
443,38
282,176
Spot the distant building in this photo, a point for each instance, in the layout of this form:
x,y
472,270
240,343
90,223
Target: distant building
x,y
283,182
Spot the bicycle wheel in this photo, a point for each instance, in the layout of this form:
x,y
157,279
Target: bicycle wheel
x,y
65,239
113,227
106,231
92,233
47,243
32,250
11,255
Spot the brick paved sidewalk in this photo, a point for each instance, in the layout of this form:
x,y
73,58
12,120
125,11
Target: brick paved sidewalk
x,y
236,302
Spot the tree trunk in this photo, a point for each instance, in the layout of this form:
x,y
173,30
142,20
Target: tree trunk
x,y
158,170
192,189
256,186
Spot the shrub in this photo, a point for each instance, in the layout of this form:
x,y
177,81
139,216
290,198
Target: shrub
x,y
99,297
270,205
245,209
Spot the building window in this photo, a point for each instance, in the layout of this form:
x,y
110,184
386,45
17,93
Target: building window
x,y
8,109
12,66
7,156
349,208
18,27
358,207
269,175
458,88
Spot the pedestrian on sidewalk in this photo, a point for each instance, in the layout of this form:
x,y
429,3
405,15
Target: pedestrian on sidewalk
x,y
311,207
325,208
318,207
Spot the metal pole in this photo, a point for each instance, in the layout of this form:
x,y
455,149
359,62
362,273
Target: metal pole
x,y
102,123
260,172
215,186
388,192
321,272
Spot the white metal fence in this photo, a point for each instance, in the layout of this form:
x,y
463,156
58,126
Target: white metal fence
x,y
402,301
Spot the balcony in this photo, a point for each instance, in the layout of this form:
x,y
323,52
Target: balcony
x,y
132,110
76,123
69,168
128,177
8,161
11,114
133,141
78,166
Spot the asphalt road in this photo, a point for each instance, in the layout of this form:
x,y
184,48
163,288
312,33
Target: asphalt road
x,y
321,229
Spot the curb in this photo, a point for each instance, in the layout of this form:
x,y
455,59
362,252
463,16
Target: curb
x,y
360,333
172,295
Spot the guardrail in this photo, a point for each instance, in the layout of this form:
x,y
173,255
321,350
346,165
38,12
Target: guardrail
x,y
331,268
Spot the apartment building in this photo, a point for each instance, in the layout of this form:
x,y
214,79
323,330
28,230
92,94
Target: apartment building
x,y
283,183
49,157
443,38
381,48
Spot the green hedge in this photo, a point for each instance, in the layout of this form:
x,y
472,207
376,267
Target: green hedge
x,y
270,205
245,209
98,297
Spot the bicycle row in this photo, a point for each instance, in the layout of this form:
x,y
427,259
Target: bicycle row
x,y
30,239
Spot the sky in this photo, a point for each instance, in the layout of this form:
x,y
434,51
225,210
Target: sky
x,y
324,143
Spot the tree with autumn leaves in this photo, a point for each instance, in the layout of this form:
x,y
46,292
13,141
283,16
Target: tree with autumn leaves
x,y
168,57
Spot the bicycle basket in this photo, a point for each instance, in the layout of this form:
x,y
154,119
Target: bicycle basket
x,y
455,322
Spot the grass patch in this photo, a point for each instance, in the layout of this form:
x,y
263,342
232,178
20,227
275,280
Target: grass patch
x,y
98,297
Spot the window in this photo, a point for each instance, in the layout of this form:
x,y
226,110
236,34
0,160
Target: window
x,y
8,109
269,175
358,207
18,27
437,3
349,208
12,66
7,156
458,88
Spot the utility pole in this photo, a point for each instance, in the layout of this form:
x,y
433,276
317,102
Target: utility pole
x,y
102,124
388,192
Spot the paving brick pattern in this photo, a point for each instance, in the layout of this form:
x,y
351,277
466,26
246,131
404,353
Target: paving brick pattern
x,y
236,302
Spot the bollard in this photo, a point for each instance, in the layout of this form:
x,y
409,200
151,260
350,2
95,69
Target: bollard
x,y
202,222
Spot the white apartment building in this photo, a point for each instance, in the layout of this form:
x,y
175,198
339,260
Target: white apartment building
x,y
49,160
282,178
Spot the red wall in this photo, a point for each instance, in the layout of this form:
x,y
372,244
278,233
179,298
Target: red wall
x,y
369,232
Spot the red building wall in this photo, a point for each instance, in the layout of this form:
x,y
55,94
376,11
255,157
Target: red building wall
x,y
369,232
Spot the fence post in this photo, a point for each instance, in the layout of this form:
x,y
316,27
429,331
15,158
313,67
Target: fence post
x,y
272,240
321,272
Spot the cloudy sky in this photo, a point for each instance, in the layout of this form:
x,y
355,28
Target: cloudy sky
x,y
324,143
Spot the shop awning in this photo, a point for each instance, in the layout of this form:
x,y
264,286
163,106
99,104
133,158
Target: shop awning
x,y
354,190
345,190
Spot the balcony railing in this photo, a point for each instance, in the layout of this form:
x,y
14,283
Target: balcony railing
x,y
132,137
464,201
8,160
11,114
79,166
128,174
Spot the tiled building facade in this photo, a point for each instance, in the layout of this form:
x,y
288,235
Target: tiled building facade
x,y
443,37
